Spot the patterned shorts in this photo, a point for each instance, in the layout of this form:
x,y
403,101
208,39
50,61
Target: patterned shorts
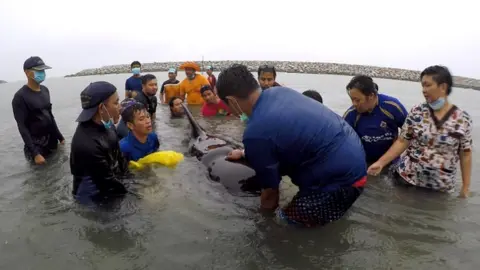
x,y
314,208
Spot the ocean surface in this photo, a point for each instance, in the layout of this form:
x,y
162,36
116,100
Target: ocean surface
x,y
184,221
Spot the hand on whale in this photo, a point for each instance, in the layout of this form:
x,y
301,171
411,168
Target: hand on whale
x,y
235,154
235,175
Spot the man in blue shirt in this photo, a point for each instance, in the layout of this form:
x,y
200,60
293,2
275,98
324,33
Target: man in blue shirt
x,y
375,117
141,140
134,83
290,134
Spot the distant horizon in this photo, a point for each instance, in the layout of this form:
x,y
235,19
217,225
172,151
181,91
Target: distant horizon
x,y
266,61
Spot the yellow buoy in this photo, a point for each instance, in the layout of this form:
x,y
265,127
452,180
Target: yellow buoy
x,y
165,158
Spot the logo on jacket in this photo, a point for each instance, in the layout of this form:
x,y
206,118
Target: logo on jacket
x,y
383,124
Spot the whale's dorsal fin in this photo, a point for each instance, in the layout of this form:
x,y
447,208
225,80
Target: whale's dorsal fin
x,y
197,130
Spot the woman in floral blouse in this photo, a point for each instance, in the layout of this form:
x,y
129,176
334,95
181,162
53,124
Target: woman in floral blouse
x,y
436,135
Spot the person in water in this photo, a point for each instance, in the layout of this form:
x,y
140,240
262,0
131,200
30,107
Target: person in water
x,y
32,111
192,84
172,79
176,108
435,137
314,95
96,162
290,134
375,117
213,105
133,85
148,94
141,140
267,76
211,77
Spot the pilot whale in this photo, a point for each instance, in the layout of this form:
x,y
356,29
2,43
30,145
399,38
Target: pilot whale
x,y
237,176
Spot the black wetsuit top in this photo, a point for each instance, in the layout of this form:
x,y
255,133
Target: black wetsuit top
x,y
150,103
96,162
33,112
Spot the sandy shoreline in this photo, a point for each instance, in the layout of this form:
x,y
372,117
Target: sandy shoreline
x,y
289,67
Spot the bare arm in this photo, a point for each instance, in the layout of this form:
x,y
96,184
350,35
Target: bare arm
x,y
398,147
465,153
466,168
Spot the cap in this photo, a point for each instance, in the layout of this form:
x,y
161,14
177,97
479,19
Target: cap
x,y
172,70
209,68
35,63
92,96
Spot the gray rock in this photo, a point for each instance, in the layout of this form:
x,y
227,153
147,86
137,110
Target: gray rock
x,y
290,67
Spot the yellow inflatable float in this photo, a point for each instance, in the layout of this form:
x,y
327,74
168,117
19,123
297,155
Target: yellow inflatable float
x,y
166,158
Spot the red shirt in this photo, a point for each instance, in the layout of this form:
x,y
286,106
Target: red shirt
x,y
212,80
215,109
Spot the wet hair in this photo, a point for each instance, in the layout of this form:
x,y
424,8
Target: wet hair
x,y
170,102
236,81
314,95
267,68
205,88
147,77
363,83
135,63
129,111
440,75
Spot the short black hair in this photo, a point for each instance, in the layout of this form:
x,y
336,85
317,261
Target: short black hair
x,y
135,63
147,77
170,102
128,115
267,68
440,75
363,83
205,88
314,95
236,81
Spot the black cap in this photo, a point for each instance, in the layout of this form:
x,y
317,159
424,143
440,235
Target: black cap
x,y
92,96
35,63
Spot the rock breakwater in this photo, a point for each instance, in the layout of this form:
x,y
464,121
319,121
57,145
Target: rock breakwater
x,y
290,67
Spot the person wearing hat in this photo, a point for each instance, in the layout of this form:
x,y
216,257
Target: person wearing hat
x,y
211,77
172,79
191,85
96,162
32,111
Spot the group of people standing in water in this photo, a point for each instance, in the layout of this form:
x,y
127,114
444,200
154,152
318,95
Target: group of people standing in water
x,y
287,133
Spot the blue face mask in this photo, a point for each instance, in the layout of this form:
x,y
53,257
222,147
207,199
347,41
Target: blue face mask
x,y
109,123
437,104
243,117
136,71
39,76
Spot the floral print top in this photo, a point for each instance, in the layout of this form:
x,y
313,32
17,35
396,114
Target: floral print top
x,y
431,158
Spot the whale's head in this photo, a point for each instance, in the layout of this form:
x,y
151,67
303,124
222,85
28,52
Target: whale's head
x,y
201,142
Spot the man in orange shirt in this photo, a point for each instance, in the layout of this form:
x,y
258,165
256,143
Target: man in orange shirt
x,y
192,84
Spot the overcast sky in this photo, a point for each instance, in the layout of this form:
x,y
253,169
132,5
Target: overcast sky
x,y
74,35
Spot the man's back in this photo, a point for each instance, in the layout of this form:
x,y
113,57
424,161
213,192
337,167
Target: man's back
x,y
313,145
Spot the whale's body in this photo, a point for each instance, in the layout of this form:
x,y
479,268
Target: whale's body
x,y
237,176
